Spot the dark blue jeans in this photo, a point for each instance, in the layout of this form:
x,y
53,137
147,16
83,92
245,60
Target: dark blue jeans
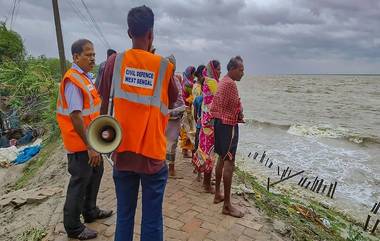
x,y
127,185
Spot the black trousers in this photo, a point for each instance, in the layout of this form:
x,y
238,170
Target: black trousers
x,y
226,139
81,192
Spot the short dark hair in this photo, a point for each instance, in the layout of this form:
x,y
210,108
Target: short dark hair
x,y
110,52
234,62
199,70
140,20
77,46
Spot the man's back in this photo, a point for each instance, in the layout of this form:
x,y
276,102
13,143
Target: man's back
x,y
141,82
141,101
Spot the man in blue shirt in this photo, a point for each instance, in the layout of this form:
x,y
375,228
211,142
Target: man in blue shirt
x,y
86,168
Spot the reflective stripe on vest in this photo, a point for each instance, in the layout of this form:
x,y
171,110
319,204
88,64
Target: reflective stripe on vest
x,y
154,100
85,112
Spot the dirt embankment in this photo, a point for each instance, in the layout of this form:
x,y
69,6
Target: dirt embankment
x,y
31,194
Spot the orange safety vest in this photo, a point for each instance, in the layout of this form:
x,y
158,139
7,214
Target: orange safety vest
x,y
140,84
91,109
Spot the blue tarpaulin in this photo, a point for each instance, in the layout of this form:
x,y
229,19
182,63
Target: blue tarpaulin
x,y
26,154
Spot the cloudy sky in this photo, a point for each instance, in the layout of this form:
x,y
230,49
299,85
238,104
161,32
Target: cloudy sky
x,y
272,36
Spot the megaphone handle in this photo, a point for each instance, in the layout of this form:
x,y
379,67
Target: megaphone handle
x,y
109,160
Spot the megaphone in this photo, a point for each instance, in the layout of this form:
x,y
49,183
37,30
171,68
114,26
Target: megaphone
x,y
104,134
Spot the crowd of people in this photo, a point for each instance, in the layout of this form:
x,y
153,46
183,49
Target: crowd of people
x,y
156,110
204,121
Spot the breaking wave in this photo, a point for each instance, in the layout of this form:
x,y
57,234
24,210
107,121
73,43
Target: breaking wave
x,y
320,131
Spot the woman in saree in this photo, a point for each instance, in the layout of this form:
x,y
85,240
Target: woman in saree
x,y
204,157
187,135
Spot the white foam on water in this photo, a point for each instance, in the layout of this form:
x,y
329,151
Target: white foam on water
x,y
333,161
317,131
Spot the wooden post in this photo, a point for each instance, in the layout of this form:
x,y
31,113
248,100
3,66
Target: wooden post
x,y
324,188
320,185
333,191
330,188
58,31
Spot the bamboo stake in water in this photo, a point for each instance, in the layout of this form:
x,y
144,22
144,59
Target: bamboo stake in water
x,y
330,188
324,188
315,186
283,174
262,157
315,180
377,209
286,178
303,182
373,208
375,227
367,222
320,185
332,194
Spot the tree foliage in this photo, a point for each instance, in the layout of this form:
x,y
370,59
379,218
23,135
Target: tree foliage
x,y
11,45
28,85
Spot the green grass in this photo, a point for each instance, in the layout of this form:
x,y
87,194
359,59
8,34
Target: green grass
x,y
33,234
283,207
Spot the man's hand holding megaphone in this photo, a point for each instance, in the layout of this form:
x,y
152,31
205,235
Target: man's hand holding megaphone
x,y
94,157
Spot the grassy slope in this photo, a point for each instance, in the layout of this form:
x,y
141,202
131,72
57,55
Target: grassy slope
x,y
283,207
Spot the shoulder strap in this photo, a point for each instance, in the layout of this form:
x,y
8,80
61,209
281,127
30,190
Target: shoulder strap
x,y
115,76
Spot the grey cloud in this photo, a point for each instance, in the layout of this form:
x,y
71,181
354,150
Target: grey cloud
x,y
293,36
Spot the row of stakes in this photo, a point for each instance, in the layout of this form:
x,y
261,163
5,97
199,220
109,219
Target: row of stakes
x,y
317,186
373,211
262,159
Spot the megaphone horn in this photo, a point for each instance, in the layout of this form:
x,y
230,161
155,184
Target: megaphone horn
x,y
104,134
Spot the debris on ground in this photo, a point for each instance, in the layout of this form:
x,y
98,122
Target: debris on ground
x,y
14,156
309,214
21,197
242,189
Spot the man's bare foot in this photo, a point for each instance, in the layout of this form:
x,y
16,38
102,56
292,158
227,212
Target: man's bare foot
x,y
218,198
209,189
232,211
